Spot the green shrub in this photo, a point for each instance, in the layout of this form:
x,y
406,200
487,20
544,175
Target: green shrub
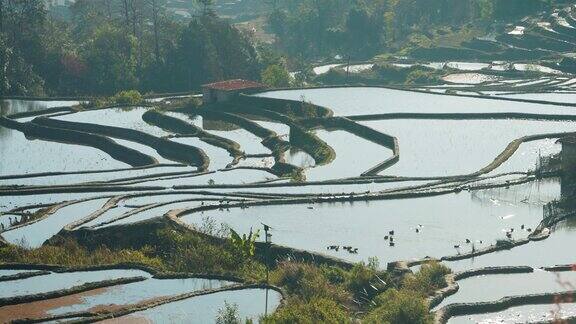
x,y
317,310
364,281
130,97
430,278
419,76
228,314
276,76
307,282
506,243
399,307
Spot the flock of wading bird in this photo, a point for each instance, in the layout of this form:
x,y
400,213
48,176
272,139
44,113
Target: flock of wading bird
x,y
391,242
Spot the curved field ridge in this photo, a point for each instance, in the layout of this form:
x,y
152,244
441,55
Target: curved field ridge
x,y
444,314
170,150
69,291
115,150
98,313
181,127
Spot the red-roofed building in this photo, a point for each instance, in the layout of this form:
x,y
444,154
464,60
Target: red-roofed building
x,y
225,90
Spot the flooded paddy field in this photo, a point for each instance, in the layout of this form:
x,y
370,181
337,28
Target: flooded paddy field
x,y
422,227
203,309
546,253
521,314
57,281
405,176
374,101
455,147
471,289
110,291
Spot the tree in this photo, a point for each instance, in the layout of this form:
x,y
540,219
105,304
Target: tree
x,y
210,49
206,6
276,76
17,77
111,60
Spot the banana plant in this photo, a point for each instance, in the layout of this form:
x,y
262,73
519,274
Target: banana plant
x,y
245,243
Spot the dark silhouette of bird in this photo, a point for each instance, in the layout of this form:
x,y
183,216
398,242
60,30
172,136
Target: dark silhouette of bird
x,y
386,237
391,232
468,241
457,246
417,230
392,243
310,207
522,227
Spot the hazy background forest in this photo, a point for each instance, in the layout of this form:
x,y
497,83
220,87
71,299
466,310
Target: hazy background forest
x,y
99,47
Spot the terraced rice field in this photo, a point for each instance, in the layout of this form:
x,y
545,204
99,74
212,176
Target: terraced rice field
x,y
394,174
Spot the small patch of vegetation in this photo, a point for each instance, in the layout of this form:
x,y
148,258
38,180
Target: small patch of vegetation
x,y
308,281
399,307
228,314
276,76
383,73
421,77
316,310
124,98
430,278
69,253
325,294
504,243
129,97
320,151
189,252
407,304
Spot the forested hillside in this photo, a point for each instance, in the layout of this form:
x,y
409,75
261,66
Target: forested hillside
x,y
109,45
316,28
104,46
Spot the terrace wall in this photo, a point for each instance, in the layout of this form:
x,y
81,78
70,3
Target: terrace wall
x,y
115,150
171,150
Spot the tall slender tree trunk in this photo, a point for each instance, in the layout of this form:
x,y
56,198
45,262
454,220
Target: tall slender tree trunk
x,y
1,16
109,8
134,16
156,32
126,9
